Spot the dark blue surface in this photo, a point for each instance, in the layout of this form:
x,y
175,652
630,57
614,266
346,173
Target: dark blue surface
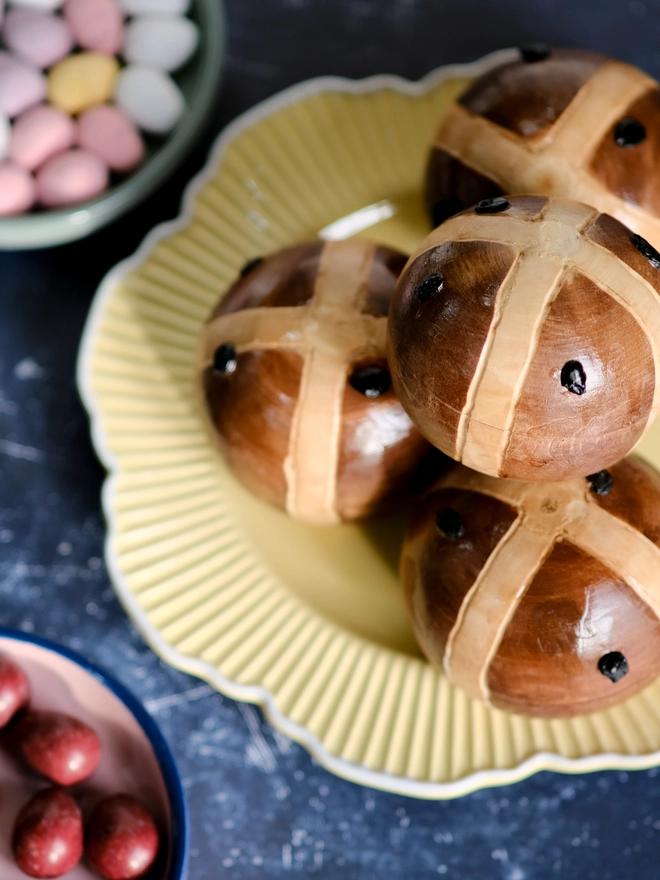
x,y
260,806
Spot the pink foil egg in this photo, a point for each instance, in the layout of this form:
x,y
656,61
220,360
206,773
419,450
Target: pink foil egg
x,y
109,133
18,189
21,85
40,133
97,25
73,176
40,38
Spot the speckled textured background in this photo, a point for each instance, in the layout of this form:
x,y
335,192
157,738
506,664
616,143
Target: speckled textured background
x,y
260,806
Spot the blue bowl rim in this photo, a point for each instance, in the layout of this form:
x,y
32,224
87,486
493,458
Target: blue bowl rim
x,y
180,831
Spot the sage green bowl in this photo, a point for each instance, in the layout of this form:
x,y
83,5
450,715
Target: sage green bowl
x,y
198,81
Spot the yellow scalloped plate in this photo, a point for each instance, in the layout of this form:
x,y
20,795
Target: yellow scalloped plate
x,y
308,622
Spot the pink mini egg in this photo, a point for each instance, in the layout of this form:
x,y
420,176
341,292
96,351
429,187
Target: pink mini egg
x,y
70,177
40,38
40,133
21,85
109,133
97,25
18,189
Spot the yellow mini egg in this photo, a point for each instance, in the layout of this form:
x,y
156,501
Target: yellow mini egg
x,y
82,80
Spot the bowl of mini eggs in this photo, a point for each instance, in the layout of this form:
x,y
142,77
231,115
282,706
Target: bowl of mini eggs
x,y
99,102
90,788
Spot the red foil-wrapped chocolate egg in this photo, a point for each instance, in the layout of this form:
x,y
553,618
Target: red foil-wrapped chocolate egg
x,y
47,838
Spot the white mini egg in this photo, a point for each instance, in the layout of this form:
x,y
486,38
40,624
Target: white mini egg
x,y
149,97
154,7
162,41
5,134
44,5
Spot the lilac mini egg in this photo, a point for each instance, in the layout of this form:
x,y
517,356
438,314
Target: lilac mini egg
x,y
97,25
18,189
109,133
40,133
21,85
40,38
70,177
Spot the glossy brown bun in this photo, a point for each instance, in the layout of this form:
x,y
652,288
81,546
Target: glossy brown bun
x,y
296,383
539,598
563,123
523,338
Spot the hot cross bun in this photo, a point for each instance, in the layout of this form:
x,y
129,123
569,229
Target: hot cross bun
x,y
540,598
297,387
524,338
560,122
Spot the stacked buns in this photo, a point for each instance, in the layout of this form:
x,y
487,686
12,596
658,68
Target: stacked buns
x,y
521,339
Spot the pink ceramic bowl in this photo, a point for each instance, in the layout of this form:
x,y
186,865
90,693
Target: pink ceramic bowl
x,y
135,757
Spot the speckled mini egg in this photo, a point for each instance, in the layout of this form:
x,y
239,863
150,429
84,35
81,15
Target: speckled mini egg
x,y
297,388
539,598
